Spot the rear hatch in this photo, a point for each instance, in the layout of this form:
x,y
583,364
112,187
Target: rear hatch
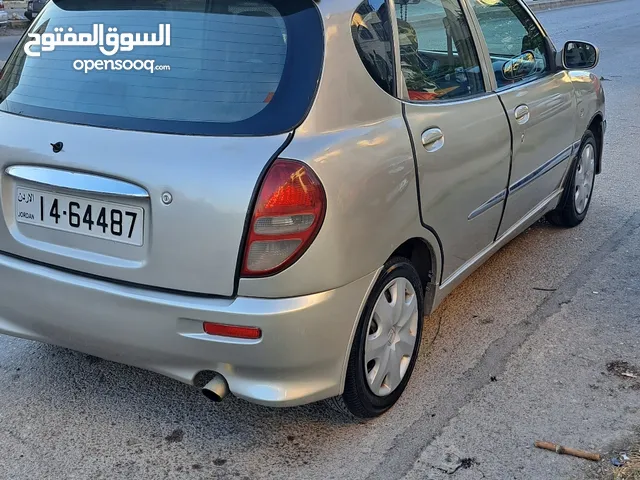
x,y
134,154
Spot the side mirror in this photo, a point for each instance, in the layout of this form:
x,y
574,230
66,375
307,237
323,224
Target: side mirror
x,y
519,67
580,56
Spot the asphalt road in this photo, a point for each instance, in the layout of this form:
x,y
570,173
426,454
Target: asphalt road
x,y
6,46
544,317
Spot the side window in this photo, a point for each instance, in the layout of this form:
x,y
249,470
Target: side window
x,y
439,59
371,31
511,34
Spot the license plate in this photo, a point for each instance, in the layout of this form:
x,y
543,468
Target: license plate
x,y
83,216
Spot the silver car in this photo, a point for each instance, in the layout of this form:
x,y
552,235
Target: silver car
x,y
266,197
4,16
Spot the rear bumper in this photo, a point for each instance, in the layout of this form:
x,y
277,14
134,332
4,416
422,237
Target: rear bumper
x,y
300,359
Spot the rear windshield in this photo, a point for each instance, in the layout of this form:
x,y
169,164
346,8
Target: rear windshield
x,y
199,67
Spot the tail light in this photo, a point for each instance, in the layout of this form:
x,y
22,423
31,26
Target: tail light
x,y
286,218
232,331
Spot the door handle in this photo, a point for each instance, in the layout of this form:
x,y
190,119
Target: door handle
x,y
433,140
522,114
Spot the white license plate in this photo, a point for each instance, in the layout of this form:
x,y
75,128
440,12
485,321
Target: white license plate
x,y
93,218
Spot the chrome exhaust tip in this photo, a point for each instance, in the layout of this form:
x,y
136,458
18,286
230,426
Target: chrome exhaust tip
x,y
216,389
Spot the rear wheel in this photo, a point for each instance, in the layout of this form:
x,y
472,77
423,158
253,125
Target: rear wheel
x,y
576,199
386,344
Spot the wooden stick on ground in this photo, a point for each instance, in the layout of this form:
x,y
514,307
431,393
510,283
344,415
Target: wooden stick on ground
x,y
568,451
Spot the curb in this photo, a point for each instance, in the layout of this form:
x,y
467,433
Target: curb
x,y
542,6
18,23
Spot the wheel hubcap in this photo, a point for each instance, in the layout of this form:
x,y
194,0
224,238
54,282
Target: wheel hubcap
x,y
391,337
584,178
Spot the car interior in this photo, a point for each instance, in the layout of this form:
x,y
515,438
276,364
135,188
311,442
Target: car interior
x,y
433,74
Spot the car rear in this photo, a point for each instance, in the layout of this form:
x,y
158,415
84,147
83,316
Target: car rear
x,y
152,181
34,7
161,148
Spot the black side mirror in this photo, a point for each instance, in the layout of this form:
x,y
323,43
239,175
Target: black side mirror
x,y
580,56
519,67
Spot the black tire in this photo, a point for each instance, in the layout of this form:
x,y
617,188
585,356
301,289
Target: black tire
x,y
566,215
358,400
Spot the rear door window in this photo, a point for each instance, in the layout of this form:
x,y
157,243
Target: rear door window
x,y
226,67
438,56
510,32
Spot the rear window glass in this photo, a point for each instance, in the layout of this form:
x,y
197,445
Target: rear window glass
x,y
218,67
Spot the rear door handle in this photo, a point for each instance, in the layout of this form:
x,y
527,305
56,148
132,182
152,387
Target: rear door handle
x,y
433,140
522,114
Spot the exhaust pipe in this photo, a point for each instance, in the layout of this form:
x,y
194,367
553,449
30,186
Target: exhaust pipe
x,y
216,389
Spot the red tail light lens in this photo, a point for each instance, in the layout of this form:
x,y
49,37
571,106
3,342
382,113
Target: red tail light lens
x,y
287,216
232,331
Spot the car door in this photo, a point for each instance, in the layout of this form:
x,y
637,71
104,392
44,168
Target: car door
x,y
539,102
458,127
